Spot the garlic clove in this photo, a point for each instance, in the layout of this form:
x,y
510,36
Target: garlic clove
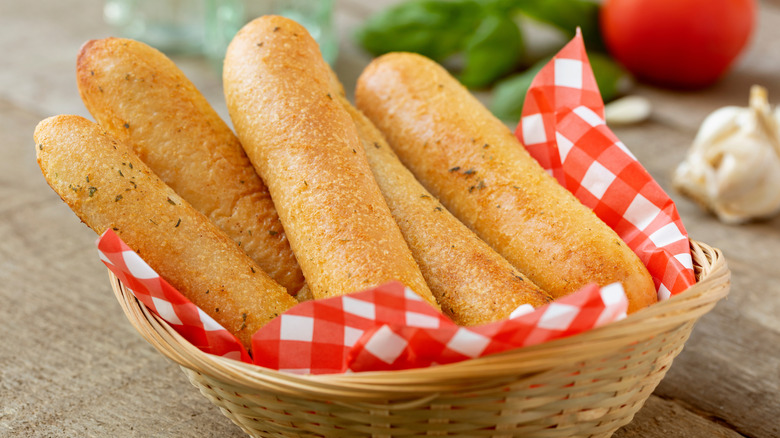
x,y
721,124
627,110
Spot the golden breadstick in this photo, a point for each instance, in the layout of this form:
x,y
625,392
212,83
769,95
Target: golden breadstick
x,y
305,146
142,98
108,186
474,164
471,281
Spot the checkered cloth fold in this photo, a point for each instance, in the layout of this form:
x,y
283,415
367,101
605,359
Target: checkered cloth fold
x,y
165,301
389,327
563,128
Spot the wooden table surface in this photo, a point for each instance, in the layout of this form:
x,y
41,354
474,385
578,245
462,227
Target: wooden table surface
x,y
71,364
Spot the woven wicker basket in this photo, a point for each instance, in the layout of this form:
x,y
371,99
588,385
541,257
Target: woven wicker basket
x,y
587,385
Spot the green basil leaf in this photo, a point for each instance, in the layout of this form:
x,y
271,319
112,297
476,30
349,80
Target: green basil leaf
x,y
509,94
567,15
434,28
493,50
610,76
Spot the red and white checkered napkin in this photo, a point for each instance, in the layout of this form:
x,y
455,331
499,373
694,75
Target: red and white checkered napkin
x,y
165,301
389,327
563,127
418,343
382,328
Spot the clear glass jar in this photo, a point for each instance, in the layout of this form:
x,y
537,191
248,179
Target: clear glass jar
x,y
207,26
172,26
315,15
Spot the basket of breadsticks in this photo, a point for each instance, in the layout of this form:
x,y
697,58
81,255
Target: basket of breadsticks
x,y
401,265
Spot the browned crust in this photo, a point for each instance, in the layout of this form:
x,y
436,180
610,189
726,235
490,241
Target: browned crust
x,y
472,282
108,186
141,97
482,174
305,146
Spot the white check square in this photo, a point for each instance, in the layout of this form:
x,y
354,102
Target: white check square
x,y
165,310
564,146
386,345
589,116
351,335
416,319
523,309
358,307
568,73
666,235
597,179
137,267
641,212
615,304
296,328
558,316
664,293
468,343
685,259
533,129
209,324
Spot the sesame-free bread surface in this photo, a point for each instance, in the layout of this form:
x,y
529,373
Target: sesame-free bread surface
x,y
141,97
109,187
477,168
471,281
305,147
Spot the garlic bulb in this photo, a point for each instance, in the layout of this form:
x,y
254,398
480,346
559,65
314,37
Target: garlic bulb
x,y
733,166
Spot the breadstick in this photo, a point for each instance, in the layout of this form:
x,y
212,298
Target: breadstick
x,y
108,186
305,147
474,164
472,283
142,98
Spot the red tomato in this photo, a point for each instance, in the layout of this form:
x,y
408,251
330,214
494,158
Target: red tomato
x,y
677,43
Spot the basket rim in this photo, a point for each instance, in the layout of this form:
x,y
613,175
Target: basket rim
x,y
713,280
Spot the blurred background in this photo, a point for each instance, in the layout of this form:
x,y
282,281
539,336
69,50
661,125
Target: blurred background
x,y
493,46
71,365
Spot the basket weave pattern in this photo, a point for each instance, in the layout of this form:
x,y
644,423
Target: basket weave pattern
x,y
587,385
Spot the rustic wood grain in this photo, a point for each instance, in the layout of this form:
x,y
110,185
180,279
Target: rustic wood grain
x,y
661,418
71,368
71,365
